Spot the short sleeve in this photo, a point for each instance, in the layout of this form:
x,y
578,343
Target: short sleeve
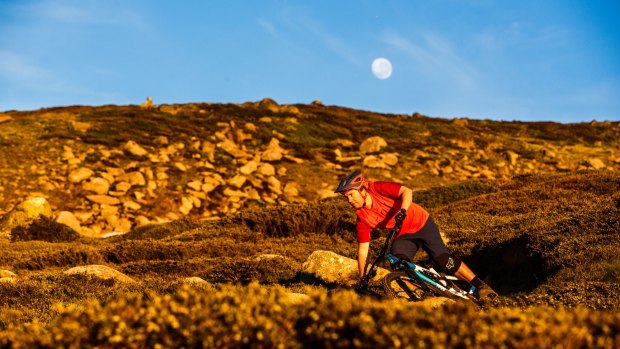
x,y
363,231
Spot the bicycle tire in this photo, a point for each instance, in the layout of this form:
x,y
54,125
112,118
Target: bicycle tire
x,y
398,285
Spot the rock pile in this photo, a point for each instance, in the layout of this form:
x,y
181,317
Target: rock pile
x,y
103,189
119,190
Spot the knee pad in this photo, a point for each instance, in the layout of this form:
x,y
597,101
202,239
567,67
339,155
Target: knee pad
x,y
448,262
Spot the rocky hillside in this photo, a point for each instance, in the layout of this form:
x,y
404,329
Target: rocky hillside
x,y
200,225
105,170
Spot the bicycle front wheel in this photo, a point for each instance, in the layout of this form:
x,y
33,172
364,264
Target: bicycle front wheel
x,y
398,285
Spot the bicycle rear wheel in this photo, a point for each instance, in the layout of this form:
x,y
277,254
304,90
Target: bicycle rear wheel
x,y
398,285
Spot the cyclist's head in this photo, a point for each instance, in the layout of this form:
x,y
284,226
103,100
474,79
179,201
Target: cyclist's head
x,y
354,180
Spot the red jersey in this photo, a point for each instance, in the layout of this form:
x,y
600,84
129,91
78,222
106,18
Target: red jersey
x,y
385,206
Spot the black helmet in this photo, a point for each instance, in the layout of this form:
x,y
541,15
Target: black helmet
x,y
353,181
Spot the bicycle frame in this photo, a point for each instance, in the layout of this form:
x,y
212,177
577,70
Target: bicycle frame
x,y
416,272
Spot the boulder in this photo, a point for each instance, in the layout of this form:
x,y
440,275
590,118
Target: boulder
x,y
595,163
133,178
67,218
103,199
134,148
266,170
97,185
372,145
23,215
196,281
7,274
249,168
372,161
80,174
329,267
232,148
390,159
100,271
273,152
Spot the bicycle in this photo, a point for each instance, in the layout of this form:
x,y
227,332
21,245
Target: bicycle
x,y
414,282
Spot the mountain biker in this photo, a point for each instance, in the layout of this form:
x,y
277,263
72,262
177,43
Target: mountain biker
x,y
389,205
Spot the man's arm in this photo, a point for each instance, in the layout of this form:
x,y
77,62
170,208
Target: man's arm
x,y
406,195
362,255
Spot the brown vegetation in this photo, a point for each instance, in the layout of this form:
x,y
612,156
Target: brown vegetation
x,y
545,236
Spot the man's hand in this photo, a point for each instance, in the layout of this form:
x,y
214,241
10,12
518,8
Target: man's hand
x,y
400,217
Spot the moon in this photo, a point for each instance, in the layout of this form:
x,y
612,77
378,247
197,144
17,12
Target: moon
x,y
381,68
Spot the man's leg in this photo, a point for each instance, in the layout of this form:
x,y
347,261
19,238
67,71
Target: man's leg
x,y
435,246
404,247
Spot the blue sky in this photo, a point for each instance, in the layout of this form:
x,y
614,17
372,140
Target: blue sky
x,y
483,59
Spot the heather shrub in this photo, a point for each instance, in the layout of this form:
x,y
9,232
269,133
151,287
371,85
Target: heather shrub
x,y
264,317
64,256
329,216
160,231
46,229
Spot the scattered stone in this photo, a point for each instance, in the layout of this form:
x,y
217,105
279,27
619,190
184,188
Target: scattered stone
x,y
274,185
100,271
133,178
23,215
595,163
371,161
273,152
103,199
67,218
97,185
134,148
7,274
390,159
186,205
161,140
197,281
232,148
111,234
83,216
461,122
141,221
237,181
132,205
330,267
80,174
195,185
372,145
249,168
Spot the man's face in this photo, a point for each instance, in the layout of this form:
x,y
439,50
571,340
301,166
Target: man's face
x,y
355,198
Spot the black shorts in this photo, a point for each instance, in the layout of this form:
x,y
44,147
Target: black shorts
x,y
428,238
